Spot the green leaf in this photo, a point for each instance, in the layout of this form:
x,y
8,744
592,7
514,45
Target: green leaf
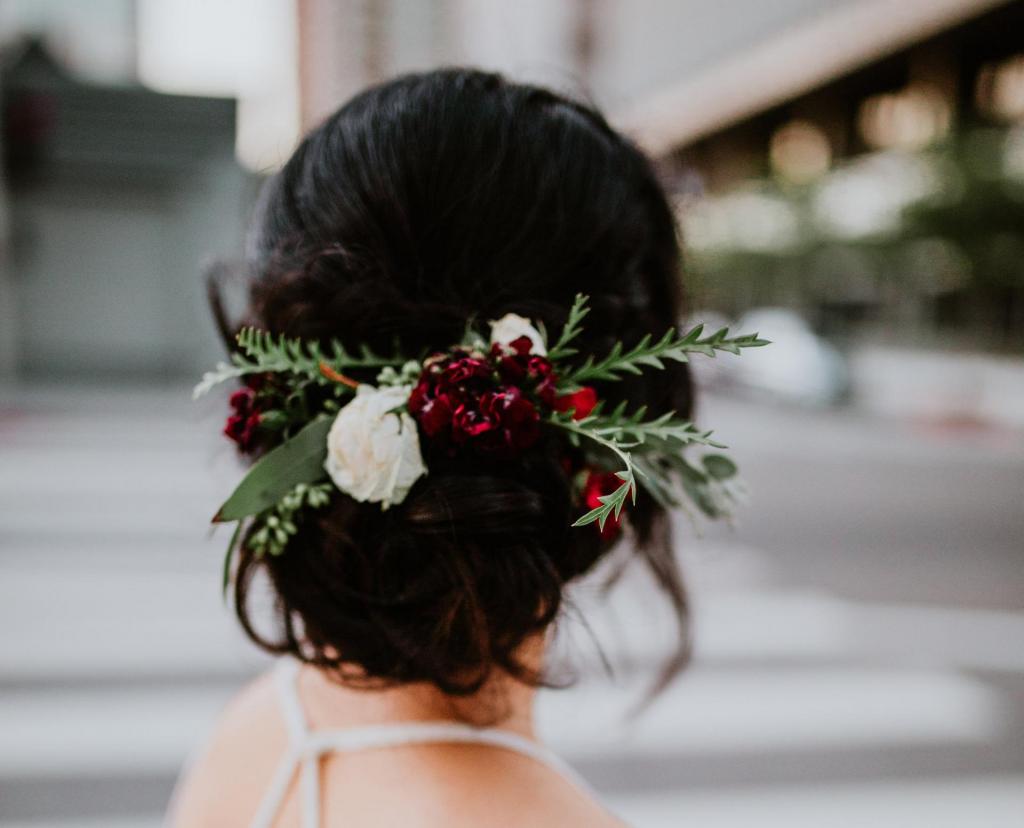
x,y
699,494
264,353
719,467
663,434
573,327
300,460
273,420
611,504
656,480
672,346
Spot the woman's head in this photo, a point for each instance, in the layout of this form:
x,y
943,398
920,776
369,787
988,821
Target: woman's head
x,y
421,205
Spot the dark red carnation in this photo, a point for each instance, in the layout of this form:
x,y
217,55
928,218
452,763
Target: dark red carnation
x,y
539,366
242,425
517,418
546,390
581,402
598,484
511,367
436,416
484,402
517,366
419,397
464,370
521,345
469,421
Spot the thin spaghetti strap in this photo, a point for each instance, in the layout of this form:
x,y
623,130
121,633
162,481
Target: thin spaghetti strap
x,y
275,794
287,677
351,740
286,674
306,747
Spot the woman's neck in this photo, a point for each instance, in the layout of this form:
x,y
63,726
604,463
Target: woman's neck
x,y
503,701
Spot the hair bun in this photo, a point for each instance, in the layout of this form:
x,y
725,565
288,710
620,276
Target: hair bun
x,y
420,205
477,505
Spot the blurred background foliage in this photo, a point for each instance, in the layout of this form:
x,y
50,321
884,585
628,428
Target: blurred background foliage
x,y
922,247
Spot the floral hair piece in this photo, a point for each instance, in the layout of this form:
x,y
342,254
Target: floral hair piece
x,y
319,432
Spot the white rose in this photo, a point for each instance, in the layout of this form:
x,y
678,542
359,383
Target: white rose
x,y
373,453
512,326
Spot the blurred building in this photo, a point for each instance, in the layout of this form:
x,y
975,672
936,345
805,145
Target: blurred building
x,y
863,167
116,196
824,153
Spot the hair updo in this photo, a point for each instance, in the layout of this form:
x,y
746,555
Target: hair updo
x,y
421,204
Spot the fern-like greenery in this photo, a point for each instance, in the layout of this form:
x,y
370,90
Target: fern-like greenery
x,y
657,443
612,503
263,353
572,329
647,435
672,346
626,435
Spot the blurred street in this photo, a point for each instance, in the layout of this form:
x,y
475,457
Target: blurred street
x,y
860,634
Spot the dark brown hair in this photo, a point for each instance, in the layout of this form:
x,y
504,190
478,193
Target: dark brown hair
x,y
421,204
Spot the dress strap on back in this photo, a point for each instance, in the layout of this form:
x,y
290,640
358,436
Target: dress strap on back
x,y
306,747
285,676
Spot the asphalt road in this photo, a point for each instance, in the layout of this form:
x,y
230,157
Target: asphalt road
x,y
859,632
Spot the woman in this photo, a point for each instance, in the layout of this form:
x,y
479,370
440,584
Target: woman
x,y
414,601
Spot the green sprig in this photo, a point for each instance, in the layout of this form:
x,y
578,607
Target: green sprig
x,y
270,531
673,346
264,353
666,432
611,503
711,483
628,434
572,329
273,528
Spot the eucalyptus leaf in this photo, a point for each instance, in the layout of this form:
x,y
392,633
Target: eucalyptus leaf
x,y
700,496
273,420
300,460
719,466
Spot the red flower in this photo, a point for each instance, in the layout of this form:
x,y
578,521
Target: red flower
x,y
469,421
435,415
596,485
516,416
521,345
242,425
546,390
539,366
581,402
487,403
512,368
499,422
463,370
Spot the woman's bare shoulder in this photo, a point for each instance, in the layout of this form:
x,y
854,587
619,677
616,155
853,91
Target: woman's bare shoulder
x,y
442,785
249,734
